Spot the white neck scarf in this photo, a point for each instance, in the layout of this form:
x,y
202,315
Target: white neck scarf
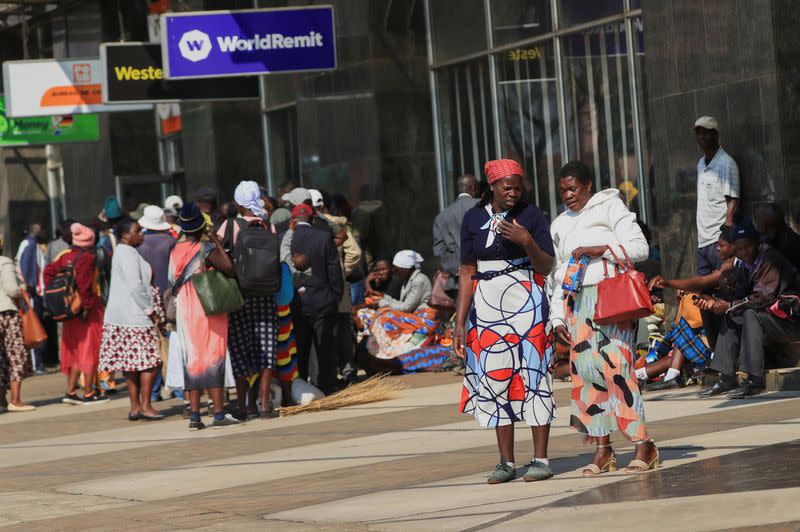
x,y
492,224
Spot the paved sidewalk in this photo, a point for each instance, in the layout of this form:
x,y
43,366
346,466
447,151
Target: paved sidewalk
x,y
412,463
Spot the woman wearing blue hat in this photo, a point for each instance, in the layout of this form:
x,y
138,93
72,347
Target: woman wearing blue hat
x,y
203,339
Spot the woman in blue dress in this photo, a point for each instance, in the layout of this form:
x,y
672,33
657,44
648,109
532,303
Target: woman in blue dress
x,y
501,320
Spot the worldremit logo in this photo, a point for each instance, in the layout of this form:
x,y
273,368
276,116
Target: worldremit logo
x,y
271,41
195,45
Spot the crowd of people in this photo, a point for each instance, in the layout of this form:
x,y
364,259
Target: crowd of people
x,y
277,298
145,294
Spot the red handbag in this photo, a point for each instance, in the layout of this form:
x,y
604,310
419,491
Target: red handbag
x,y
624,297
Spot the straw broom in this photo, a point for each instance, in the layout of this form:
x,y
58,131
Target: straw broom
x,y
372,390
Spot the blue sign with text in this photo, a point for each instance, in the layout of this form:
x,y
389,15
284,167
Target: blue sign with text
x,y
243,43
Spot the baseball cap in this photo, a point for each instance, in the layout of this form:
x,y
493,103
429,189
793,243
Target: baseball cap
x,y
302,210
747,231
316,198
297,196
707,122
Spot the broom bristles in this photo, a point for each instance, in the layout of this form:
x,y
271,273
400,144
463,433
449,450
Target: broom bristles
x,y
372,390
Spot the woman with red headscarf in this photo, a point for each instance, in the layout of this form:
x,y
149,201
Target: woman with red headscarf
x,y
80,341
502,312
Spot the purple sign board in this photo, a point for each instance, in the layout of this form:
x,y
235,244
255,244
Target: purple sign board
x,y
209,44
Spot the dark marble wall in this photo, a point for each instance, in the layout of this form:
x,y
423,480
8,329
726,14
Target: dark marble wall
x,y
786,21
718,59
365,129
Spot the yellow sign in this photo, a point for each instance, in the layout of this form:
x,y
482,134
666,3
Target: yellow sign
x,y
524,54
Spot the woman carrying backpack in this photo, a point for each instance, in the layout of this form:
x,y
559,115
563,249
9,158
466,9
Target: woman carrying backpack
x,y
203,339
253,329
130,340
80,340
15,365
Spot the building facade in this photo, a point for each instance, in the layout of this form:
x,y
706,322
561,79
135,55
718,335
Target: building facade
x,y
428,90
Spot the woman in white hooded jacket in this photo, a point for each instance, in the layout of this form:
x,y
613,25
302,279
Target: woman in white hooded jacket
x,y
605,392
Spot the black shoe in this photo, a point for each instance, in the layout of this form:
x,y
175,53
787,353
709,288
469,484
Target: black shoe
x,y
672,384
95,399
723,385
157,417
196,425
226,421
72,399
133,417
749,387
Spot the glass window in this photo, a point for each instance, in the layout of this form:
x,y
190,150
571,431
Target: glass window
x,y
529,124
465,108
284,151
600,128
458,28
636,4
514,20
572,12
648,179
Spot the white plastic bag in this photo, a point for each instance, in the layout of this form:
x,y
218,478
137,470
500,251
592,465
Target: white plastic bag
x,y
175,363
303,393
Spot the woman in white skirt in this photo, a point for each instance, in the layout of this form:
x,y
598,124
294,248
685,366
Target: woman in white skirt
x,y
502,314
130,340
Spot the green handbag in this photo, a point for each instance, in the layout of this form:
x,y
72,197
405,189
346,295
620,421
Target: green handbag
x,y
218,294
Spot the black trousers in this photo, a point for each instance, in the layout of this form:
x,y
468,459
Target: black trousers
x,y
743,339
344,341
319,332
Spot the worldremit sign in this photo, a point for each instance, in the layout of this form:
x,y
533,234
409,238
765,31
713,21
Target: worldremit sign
x,y
241,43
134,73
49,87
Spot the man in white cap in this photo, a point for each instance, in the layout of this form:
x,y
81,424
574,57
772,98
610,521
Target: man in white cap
x,y
717,193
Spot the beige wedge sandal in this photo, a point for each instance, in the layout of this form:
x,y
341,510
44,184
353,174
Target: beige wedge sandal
x,y
592,470
640,466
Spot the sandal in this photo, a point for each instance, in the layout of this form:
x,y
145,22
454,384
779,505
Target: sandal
x,y
640,466
592,470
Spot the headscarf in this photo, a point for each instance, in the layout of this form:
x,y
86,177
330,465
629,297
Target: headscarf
x,y
248,195
500,168
407,259
82,236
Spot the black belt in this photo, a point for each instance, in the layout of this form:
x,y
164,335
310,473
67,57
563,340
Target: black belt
x,y
488,276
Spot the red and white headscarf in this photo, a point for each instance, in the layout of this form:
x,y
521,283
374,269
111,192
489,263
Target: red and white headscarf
x,y
500,168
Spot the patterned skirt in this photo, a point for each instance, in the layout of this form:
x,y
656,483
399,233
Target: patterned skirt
x,y
253,336
15,365
287,348
507,376
394,333
605,392
126,348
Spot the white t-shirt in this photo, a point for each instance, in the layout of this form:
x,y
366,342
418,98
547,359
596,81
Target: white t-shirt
x,y
716,180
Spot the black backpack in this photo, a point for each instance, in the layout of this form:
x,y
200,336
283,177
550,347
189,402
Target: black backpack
x,y
61,298
256,257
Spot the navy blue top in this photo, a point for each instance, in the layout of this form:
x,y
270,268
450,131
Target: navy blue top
x,y
473,237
